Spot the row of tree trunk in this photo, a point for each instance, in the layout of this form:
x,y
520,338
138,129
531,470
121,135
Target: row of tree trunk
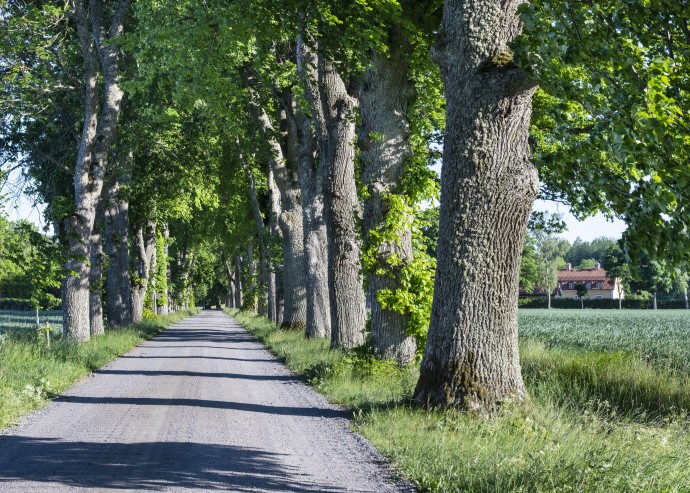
x,y
314,209
488,185
487,188
99,226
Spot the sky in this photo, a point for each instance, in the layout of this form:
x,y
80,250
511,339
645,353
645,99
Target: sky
x,y
18,205
587,230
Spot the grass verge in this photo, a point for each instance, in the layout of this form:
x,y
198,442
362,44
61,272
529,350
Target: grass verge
x,y
598,421
30,373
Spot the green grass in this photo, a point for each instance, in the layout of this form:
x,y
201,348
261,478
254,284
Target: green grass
x,y
30,373
609,409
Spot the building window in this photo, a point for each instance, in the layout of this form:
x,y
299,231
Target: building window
x,y
571,285
599,296
598,285
588,285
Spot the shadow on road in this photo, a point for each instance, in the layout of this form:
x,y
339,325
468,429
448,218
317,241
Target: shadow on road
x,y
237,406
199,374
143,357
153,466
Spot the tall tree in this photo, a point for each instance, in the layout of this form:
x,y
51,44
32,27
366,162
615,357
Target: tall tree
x,y
615,145
488,185
98,46
312,178
333,112
385,143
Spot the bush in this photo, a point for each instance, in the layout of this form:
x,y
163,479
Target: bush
x,y
15,304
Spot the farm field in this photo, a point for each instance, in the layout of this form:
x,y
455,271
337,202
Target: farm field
x,y
19,320
609,407
661,337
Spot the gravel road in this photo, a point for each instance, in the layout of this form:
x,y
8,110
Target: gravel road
x,y
202,407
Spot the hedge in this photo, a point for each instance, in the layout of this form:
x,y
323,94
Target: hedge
x,y
569,303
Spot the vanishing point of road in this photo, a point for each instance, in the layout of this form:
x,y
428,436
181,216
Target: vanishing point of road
x,y
201,407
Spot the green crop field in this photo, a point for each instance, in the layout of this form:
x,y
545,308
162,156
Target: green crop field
x,y
661,337
25,320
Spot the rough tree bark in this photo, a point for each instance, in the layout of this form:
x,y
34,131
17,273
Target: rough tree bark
x,y
333,114
230,300
96,273
288,212
153,266
75,288
385,146
312,178
238,281
98,134
291,226
118,286
315,239
488,185
145,250
183,262
251,300
165,307
268,266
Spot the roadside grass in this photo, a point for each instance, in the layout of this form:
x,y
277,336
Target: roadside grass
x,y
30,373
601,419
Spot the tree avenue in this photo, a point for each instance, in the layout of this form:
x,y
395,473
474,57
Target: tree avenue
x,y
277,157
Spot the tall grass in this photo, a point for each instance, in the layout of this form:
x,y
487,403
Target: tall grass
x,y
30,373
606,415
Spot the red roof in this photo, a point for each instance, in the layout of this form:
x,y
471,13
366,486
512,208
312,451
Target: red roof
x,y
585,275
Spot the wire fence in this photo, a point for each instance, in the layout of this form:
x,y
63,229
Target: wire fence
x,y
26,319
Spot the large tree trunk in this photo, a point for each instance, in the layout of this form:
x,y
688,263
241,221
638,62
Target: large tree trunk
x,y
316,260
118,286
270,269
291,226
318,321
96,274
145,250
165,290
333,112
251,301
488,185
283,173
75,289
238,281
98,134
230,300
153,285
385,145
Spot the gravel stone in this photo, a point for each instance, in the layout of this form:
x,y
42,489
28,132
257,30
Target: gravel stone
x,y
201,407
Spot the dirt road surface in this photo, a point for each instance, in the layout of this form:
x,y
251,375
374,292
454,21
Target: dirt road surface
x,y
202,407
